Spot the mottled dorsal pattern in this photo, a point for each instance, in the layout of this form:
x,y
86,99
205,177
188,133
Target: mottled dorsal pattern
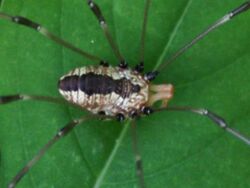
x,y
105,89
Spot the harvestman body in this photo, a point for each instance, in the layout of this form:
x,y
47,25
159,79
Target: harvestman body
x,y
109,92
112,91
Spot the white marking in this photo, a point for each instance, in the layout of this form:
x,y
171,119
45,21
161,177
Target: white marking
x,y
82,71
91,4
60,133
25,97
74,96
16,19
38,28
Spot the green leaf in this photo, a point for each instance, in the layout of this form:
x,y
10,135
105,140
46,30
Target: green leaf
x,y
178,149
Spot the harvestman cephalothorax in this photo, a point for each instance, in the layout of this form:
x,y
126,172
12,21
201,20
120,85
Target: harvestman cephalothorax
x,y
115,92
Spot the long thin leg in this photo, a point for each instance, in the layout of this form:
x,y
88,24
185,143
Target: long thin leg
x,y
138,160
60,134
214,117
140,66
244,7
23,97
97,11
43,31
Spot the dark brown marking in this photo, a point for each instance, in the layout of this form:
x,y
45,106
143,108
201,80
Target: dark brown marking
x,y
124,88
92,83
97,84
69,83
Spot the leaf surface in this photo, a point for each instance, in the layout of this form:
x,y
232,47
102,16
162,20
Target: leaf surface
x,y
178,149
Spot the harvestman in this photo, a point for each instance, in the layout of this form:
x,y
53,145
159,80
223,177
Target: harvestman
x,y
122,81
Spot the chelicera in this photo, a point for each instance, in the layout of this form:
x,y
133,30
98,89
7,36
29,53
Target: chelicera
x,y
114,92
